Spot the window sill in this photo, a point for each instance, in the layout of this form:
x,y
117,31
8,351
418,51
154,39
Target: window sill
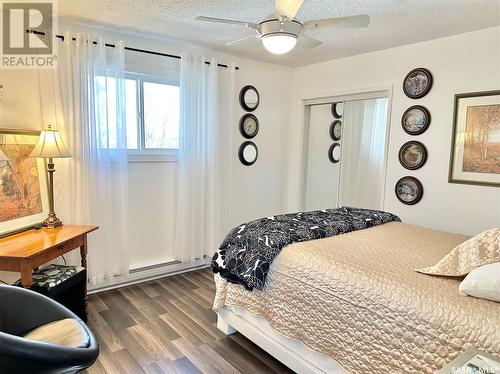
x,y
151,157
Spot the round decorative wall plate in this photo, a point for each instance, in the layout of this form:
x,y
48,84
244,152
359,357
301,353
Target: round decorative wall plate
x,y
334,153
336,130
417,83
413,155
415,120
409,190
337,110
248,153
249,98
249,126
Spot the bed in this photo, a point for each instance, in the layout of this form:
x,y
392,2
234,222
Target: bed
x,y
352,303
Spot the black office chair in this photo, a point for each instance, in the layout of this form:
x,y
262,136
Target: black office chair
x,y
23,310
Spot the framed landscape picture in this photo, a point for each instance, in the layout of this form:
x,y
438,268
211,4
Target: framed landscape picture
x,y
475,145
23,182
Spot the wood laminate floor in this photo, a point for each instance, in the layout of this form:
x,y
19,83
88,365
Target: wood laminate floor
x,y
167,326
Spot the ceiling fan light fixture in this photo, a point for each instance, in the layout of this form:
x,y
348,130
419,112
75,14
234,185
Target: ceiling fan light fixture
x,y
279,44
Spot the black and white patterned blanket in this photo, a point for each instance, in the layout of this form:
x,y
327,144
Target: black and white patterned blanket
x,y
247,252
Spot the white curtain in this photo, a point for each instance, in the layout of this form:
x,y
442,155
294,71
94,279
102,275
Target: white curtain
x,y
362,168
206,101
92,186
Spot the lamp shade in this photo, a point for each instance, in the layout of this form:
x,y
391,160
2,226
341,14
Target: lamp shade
x,y
50,145
279,43
3,157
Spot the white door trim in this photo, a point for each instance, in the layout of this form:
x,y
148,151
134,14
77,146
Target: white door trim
x,y
326,97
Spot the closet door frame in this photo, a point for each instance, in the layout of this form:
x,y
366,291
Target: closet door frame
x,y
327,98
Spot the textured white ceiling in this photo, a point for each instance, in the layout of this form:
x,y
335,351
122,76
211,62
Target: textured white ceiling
x,y
393,22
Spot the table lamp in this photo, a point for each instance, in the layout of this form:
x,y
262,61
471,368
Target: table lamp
x,y
50,146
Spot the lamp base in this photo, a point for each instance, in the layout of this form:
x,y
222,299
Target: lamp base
x,y
52,221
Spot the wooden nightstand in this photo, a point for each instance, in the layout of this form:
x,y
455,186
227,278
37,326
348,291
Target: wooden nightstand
x,y
28,250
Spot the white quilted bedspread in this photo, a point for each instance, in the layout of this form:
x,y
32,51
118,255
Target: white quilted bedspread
x,y
357,298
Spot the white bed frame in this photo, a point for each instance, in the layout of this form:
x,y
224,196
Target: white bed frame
x,y
229,322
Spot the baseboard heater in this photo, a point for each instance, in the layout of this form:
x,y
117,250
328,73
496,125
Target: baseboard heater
x,y
148,273
155,266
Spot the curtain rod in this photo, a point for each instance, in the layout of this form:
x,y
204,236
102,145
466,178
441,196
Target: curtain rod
x,y
35,32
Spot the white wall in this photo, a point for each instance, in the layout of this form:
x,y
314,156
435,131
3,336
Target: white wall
x,y
461,63
20,105
256,190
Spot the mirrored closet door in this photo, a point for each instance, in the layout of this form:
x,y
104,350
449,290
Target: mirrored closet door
x,y
346,153
322,177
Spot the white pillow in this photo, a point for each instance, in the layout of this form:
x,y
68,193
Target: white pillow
x,y
483,282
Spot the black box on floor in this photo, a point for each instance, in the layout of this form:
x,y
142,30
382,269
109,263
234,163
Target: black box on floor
x,y
64,284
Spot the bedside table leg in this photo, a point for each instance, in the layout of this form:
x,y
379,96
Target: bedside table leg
x,y
83,251
26,274
83,255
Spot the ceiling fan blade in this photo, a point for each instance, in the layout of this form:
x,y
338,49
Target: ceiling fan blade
x,y
250,25
308,42
288,8
339,22
243,39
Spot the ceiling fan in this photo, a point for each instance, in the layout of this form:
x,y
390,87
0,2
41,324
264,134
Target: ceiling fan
x,y
280,31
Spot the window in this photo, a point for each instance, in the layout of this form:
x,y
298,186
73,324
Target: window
x,y
105,88
161,116
152,113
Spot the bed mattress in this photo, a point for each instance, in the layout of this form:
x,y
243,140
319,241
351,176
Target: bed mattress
x,y
356,298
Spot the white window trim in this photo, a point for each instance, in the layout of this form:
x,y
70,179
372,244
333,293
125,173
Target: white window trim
x,y
140,157
143,154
